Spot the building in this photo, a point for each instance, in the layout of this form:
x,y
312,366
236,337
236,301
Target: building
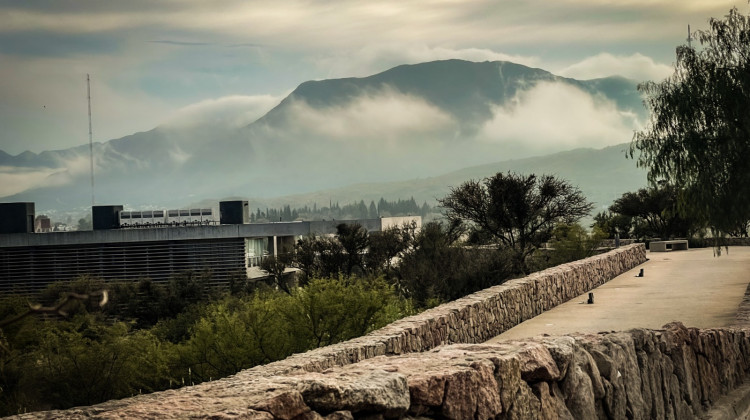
x,y
30,261
42,224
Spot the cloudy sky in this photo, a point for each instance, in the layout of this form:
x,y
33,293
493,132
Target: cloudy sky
x,y
158,62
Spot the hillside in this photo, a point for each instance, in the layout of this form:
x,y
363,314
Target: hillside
x,y
602,174
411,122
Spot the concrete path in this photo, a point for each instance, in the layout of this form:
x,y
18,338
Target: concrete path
x,y
693,287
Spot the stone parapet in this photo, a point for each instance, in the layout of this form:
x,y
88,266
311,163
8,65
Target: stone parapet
x,y
673,373
475,318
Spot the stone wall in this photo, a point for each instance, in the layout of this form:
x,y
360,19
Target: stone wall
x,y
674,373
472,319
475,318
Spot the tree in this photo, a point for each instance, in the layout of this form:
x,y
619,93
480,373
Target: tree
x,y
439,268
275,267
518,212
388,244
613,224
571,242
306,258
653,213
698,139
354,239
85,223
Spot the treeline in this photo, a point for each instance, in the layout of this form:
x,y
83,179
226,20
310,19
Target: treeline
x,y
383,208
655,212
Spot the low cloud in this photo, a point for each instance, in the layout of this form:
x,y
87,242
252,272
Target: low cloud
x,y
228,112
557,116
375,58
637,67
384,117
17,179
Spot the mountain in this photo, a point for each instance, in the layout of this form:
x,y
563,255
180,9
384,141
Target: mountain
x,y
411,121
602,175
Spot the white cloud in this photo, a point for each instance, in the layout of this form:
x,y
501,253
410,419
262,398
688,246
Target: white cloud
x,y
637,67
556,116
383,118
228,112
378,57
16,180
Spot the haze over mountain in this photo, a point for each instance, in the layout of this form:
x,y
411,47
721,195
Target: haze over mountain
x,y
411,121
602,175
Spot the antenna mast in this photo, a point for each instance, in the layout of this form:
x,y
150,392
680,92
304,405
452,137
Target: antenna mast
x,y
689,38
91,141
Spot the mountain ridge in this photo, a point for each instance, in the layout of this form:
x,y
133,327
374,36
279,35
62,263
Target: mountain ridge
x,y
409,121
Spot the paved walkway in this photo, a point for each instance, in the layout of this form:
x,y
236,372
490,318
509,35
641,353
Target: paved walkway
x,y
693,287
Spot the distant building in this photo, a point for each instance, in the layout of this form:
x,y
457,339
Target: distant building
x,y
42,224
31,261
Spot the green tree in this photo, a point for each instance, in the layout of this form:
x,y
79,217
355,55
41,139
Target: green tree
x,y
84,361
438,267
305,258
386,245
224,340
275,267
328,311
613,224
653,212
698,139
354,240
330,256
571,242
516,211
184,289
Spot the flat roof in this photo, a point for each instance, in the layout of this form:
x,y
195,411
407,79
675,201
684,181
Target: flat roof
x,y
249,230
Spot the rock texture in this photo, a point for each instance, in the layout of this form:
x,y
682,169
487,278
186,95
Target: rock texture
x,y
674,373
294,387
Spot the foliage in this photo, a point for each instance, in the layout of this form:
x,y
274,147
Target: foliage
x,y
438,268
232,335
653,212
571,242
238,333
698,139
387,245
354,240
275,267
83,361
613,224
517,211
92,357
331,310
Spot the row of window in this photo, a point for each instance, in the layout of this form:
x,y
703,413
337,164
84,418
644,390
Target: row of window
x,y
150,214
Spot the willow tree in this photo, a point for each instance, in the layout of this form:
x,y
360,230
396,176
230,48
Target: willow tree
x,y
698,138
